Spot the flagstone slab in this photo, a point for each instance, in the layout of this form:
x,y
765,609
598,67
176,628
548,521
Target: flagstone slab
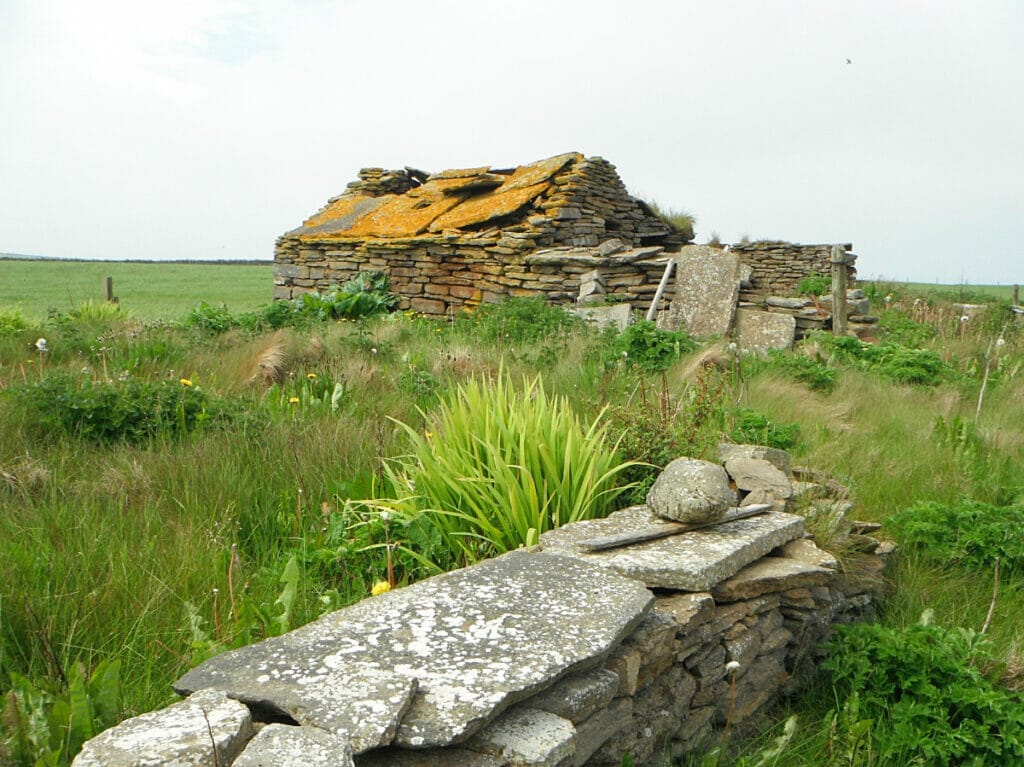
x,y
693,561
207,728
707,287
282,745
470,643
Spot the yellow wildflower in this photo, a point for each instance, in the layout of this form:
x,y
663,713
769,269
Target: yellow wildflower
x,y
311,376
380,587
186,382
293,400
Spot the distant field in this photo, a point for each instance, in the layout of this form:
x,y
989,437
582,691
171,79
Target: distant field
x,y
966,293
147,290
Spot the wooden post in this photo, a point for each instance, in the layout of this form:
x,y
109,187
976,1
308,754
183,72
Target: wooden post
x,y
838,261
1016,295
652,312
109,285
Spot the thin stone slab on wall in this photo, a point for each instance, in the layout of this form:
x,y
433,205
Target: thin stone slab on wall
x,y
545,657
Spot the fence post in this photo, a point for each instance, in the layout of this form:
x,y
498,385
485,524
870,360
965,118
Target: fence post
x,y
1016,295
109,285
838,262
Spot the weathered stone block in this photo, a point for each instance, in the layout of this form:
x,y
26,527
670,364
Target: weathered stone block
x,y
707,287
280,745
690,490
527,736
577,697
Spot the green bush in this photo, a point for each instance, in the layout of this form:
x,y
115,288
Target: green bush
x,y
647,348
129,410
363,296
812,372
12,321
814,284
210,319
521,321
901,329
496,466
753,427
890,360
968,533
920,697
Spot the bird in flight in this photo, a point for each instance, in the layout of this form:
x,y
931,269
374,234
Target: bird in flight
x,y
848,61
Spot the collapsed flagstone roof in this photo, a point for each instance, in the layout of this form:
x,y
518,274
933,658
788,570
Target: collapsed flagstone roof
x,y
409,203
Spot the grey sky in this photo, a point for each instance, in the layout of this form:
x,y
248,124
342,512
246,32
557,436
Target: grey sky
x,y
205,129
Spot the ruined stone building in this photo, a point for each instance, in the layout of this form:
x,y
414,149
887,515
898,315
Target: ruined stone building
x,y
557,227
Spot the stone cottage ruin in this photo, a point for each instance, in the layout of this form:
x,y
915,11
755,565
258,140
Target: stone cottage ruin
x,y
564,228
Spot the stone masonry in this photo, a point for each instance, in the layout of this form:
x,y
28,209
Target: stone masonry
x,y
633,635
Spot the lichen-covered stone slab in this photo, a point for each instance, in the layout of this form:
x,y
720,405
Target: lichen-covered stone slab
x,y
694,561
578,696
527,736
361,705
758,474
778,458
769,575
707,287
691,491
281,745
760,332
475,641
182,734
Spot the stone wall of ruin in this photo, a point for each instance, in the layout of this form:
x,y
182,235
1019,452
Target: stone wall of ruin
x,y
778,266
561,655
441,278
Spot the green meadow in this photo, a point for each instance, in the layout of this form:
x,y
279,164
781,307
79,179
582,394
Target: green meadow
x,y
175,482
148,291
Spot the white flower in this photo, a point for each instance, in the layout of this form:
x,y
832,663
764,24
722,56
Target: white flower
x,y
625,354
733,347
1000,341
732,666
373,350
385,516
41,345
964,318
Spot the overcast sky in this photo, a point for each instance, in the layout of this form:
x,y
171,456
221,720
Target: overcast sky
x,y
205,129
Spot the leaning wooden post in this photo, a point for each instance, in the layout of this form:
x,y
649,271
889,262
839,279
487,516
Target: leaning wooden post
x,y
838,262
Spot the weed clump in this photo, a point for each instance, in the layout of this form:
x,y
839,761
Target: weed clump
x,y
967,533
918,696
128,410
647,348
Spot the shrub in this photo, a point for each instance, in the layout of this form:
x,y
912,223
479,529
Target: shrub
x,y
129,410
968,533
365,295
497,466
814,284
12,321
920,694
647,348
679,220
753,427
522,321
812,372
211,319
901,329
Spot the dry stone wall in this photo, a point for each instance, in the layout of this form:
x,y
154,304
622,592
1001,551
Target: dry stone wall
x,y
777,266
634,635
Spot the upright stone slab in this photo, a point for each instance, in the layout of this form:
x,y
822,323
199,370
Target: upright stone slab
x,y
472,642
694,561
707,288
760,332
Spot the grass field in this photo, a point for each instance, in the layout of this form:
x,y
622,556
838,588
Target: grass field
x,y
147,291
117,548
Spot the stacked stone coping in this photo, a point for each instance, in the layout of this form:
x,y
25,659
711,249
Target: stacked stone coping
x,y
654,665
581,218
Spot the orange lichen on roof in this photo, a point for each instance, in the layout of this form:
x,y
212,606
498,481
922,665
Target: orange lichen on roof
x,y
339,208
402,216
540,171
485,207
451,199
